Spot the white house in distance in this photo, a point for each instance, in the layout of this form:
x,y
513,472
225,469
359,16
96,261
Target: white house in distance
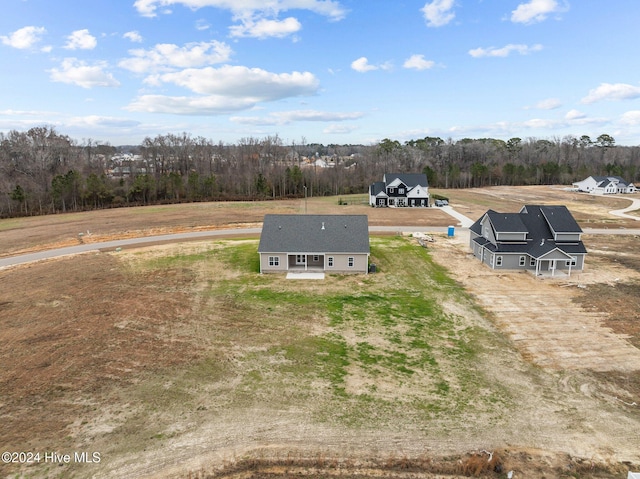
x,y
604,185
400,189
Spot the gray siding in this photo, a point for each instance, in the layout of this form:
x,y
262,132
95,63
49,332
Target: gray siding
x,y
512,236
568,237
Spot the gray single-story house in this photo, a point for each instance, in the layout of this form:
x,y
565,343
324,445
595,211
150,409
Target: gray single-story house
x,y
323,243
539,239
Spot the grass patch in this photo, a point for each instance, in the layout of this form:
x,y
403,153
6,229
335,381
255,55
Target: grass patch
x,y
355,351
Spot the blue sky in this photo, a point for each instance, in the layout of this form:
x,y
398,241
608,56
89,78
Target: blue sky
x,y
326,71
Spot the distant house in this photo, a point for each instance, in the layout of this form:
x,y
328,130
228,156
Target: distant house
x,y
323,243
539,239
604,185
400,189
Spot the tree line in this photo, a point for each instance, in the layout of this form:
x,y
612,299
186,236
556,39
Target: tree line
x,y
43,171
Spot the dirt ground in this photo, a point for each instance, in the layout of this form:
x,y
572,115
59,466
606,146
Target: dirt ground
x,y
23,235
65,355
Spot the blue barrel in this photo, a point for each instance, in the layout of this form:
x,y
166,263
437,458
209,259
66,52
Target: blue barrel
x,y
450,231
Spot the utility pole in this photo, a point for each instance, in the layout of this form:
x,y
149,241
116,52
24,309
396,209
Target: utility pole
x,y
305,199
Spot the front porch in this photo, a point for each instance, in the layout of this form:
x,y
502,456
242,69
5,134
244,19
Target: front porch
x,y
305,262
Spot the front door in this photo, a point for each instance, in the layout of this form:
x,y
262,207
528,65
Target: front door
x,y
301,259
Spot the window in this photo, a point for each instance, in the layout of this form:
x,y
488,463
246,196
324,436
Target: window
x,y
330,261
572,262
316,258
523,261
498,260
301,259
274,260
350,262
532,262
401,191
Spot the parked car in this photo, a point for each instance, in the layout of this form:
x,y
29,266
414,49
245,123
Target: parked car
x,y
441,203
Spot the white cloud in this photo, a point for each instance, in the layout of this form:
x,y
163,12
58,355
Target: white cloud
x,y
504,51
134,36
612,91
549,104
102,121
24,113
418,62
575,115
339,129
286,117
24,38
264,28
438,12
225,89
81,40
167,56
631,118
362,65
183,105
202,25
76,72
535,11
242,8
239,81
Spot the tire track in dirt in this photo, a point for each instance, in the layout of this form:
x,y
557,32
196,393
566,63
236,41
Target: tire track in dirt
x,y
539,315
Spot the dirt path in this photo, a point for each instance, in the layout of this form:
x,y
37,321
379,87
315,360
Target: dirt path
x,y
538,314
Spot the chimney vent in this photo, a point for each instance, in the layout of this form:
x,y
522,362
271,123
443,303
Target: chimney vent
x,y
323,225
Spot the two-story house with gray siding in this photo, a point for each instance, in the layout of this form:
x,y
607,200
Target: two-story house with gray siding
x,y
322,243
540,239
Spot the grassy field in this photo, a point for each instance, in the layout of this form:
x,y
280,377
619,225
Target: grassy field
x,y
377,353
176,360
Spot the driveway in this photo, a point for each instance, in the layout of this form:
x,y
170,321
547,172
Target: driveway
x,y
635,205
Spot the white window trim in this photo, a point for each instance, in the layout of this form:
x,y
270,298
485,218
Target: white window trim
x,y
351,261
498,260
330,262
274,260
522,261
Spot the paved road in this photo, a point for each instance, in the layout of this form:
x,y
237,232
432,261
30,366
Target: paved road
x,y
178,237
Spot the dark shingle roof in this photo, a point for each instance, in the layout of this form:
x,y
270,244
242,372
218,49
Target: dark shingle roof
x,y
507,222
560,219
540,223
315,234
409,179
376,188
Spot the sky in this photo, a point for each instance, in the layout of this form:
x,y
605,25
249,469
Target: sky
x,y
321,71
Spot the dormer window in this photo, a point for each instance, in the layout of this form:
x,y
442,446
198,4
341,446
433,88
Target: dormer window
x,y
401,191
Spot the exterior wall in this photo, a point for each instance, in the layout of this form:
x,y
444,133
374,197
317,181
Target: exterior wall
x,y
567,237
340,262
511,236
487,231
264,263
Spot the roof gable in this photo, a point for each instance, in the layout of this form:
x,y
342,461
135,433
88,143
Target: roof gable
x,y
506,222
409,179
315,234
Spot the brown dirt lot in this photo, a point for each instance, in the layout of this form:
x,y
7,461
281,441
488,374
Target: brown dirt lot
x,y
79,334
